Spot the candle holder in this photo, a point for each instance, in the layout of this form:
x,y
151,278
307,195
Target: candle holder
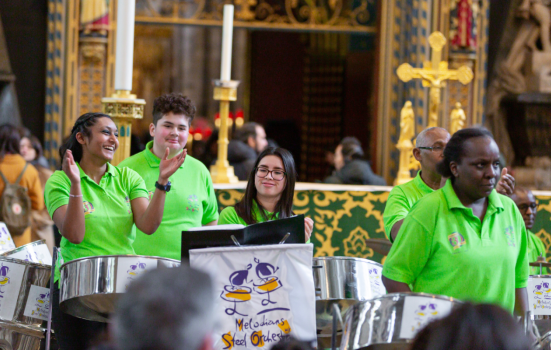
x,y
222,171
123,107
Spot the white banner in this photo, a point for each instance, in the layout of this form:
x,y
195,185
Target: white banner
x,y
38,303
264,293
129,269
6,243
11,278
419,311
539,295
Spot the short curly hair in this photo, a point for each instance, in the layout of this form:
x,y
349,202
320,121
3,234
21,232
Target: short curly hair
x,y
175,103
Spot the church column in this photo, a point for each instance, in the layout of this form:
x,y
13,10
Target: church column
x,y
80,65
405,27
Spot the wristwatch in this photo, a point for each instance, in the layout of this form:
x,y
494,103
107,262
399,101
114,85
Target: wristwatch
x,y
165,188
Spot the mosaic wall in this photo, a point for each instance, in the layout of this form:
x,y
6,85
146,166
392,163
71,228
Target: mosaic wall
x,y
344,219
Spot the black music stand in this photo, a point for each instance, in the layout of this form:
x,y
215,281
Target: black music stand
x,y
270,232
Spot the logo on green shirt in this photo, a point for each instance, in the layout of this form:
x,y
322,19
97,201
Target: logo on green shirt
x,y
456,240
193,203
128,204
510,236
88,208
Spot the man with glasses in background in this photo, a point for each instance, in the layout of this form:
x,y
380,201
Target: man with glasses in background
x,y
526,203
430,144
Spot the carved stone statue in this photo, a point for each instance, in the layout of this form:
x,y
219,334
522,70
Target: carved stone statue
x,y
526,66
407,123
457,118
407,131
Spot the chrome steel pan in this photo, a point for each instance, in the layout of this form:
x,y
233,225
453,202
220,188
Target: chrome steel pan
x,y
343,281
19,337
377,323
37,252
25,298
89,287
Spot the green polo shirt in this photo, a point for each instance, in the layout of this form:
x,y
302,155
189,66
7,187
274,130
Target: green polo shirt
x,y
443,248
229,216
191,202
401,199
108,215
535,249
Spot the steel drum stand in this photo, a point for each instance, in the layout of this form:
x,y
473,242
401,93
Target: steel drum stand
x,y
49,328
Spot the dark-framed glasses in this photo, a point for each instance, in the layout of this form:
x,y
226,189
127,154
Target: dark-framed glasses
x,y
277,175
524,207
435,149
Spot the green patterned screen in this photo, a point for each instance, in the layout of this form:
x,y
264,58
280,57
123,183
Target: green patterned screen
x,y
344,219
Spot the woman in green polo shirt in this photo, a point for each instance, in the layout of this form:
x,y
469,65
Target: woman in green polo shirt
x,y
269,193
465,240
94,205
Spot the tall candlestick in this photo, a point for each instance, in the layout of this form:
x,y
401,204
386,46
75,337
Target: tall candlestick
x,y
124,54
227,34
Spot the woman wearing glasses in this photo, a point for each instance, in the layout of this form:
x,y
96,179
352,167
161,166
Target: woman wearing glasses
x,y
269,193
528,207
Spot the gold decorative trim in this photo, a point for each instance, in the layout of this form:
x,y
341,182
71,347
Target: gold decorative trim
x,y
70,110
294,15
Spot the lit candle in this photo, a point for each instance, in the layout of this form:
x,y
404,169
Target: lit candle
x,y
124,54
227,34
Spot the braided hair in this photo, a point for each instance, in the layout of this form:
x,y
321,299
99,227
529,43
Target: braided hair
x,y
82,125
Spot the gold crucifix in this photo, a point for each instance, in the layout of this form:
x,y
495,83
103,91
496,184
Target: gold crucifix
x,y
434,75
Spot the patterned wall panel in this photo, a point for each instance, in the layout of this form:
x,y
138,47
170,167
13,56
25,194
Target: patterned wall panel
x,y
344,219
54,79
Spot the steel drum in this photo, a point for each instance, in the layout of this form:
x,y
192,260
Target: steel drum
x,y
15,336
391,321
36,252
6,242
25,298
89,287
544,343
343,281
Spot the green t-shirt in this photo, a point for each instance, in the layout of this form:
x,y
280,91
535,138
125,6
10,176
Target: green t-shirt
x,y
535,249
229,216
191,202
108,215
443,248
401,199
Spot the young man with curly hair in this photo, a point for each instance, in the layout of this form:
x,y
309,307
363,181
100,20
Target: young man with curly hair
x,y
190,200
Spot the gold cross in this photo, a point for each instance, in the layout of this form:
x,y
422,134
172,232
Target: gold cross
x,y
434,75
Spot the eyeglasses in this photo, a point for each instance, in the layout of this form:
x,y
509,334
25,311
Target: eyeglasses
x,y
524,207
277,175
435,149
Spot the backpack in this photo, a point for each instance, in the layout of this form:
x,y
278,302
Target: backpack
x,y
15,206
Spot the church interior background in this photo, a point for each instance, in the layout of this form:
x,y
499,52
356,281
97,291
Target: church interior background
x,y
310,72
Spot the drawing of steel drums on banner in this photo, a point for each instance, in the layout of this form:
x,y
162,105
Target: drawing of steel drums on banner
x,y
237,292
267,281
